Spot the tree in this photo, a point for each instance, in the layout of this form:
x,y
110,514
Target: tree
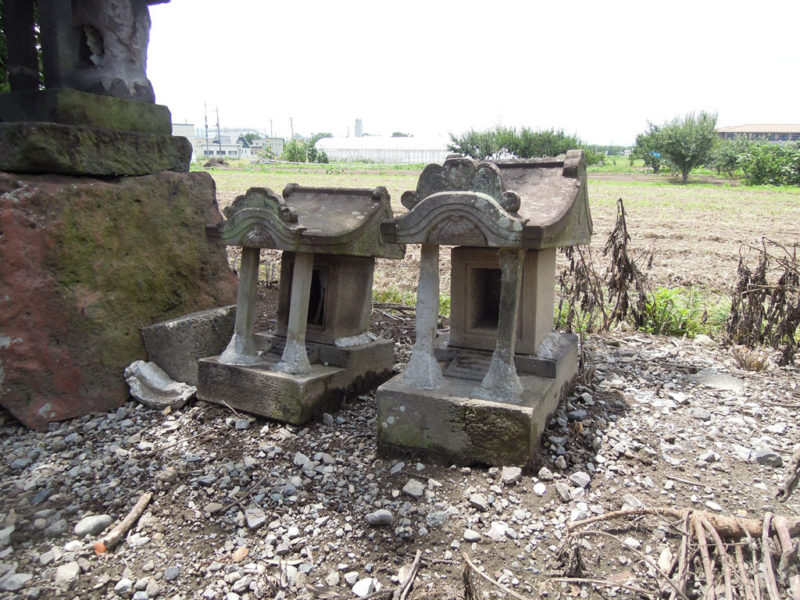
x,y
726,153
687,141
250,137
509,142
295,150
647,149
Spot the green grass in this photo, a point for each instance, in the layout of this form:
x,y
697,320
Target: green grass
x,y
394,295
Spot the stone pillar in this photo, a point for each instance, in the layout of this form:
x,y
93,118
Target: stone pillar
x,y
23,64
295,358
501,382
241,349
423,371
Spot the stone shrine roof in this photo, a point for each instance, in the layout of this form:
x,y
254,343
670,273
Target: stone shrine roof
x,y
533,203
305,219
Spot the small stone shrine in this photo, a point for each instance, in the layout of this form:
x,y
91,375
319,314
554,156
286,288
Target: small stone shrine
x,y
483,394
321,348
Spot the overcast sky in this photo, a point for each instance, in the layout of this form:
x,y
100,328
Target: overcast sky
x,y
598,69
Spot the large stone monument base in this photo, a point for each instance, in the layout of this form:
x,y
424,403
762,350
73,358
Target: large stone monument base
x,y
262,390
448,424
84,264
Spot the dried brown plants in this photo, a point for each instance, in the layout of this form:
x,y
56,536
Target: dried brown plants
x,y
765,307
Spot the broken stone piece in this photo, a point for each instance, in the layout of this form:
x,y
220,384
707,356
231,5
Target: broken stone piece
x,y
151,386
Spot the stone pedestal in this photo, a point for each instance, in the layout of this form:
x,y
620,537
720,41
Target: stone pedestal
x,y
449,425
84,264
262,390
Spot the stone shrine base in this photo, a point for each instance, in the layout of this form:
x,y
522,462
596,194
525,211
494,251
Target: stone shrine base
x,y
449,426
296,399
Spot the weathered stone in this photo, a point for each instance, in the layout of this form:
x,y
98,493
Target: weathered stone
x,y
365,587
176,344
380,517
83,151
85,264
766,456
92,525
151,386
414,488
68,573
71,107
15,581
510,475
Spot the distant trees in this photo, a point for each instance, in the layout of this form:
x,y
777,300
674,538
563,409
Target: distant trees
x,y
299,150
509,142
686,142
772,164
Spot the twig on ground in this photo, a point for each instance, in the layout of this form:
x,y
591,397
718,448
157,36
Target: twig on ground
x,y
604,582
401,592
792,476
499,585
641,555
766,559
115,535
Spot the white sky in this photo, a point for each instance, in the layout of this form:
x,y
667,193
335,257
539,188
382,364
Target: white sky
x,y
596,68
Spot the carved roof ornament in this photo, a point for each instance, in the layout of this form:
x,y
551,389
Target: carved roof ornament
x,y
534,203
305,219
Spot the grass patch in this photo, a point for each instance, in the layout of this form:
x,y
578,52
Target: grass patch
x,y
394,295
685,312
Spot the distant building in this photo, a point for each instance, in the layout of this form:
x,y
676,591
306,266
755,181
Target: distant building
x,y
275,144
186,130
765,133
385,149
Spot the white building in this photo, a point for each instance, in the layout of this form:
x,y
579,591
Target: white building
x,y
385,149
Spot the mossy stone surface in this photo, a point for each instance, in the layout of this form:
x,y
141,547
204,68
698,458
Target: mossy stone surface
x,y
86,264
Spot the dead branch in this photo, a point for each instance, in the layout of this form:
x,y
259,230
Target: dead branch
x,y
683,556
792,477
727,527
766,558
405,586
742,573
497,584
642,556
115,535
708,568
722,552
604,582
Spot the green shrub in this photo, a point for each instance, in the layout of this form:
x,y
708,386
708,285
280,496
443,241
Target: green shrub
x,y
771,164
679,312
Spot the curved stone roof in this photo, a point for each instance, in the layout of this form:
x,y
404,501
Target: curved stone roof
x,y
534,203
306,219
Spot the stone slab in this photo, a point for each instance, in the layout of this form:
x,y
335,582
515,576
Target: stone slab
x,y
447,425
71,107
176,345
85,151
296,399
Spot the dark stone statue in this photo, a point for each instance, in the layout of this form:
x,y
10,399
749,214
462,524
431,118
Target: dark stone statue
x,y
95,46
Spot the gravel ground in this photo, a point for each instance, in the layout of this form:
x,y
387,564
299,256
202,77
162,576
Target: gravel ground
x,y
243,508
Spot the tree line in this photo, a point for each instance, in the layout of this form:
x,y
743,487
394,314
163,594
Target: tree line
x,y
687,142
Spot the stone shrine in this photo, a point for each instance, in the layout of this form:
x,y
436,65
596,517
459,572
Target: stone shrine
x,y
321,348
483,394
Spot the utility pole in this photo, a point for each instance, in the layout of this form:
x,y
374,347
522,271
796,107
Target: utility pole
x,y
205,112
219,135
291,128
270,128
